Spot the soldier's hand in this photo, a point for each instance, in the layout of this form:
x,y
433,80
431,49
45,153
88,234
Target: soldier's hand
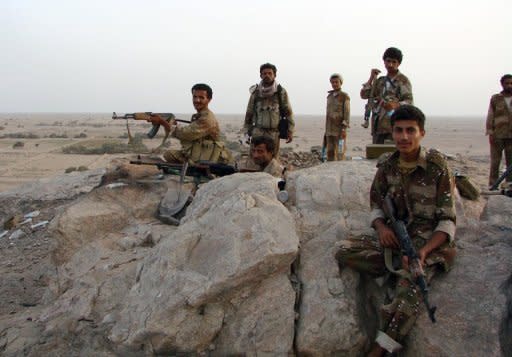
x,y
374,72
387,237
290,138
343,134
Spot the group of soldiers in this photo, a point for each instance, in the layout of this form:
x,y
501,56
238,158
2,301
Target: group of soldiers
x,y
417,180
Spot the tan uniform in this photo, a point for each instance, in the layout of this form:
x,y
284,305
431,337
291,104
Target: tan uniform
x,y
200,141
274,168
499,126
337,121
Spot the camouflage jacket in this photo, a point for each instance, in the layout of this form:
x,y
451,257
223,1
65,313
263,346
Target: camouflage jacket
x,y
384,89
423,198
499,118
203,126
338,113
266,112
274,168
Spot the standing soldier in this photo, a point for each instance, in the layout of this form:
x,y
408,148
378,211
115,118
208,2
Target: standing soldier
x,y
385,94
419,183
499,128
268,106
337,119
200,141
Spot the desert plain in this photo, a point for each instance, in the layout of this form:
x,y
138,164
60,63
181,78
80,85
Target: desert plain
x,y
33,145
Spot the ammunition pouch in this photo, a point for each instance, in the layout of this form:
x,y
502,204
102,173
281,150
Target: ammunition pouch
x,y
209,150
267,118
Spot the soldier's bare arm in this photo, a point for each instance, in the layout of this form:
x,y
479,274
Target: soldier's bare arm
x,y
387,237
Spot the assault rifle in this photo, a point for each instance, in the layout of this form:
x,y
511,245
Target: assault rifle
x,y
367,113
507,172
415,267
157,119
206,169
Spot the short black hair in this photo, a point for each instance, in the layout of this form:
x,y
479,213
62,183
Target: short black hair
x,y
505,77
393,53
268,66
408,112
205,87
268,141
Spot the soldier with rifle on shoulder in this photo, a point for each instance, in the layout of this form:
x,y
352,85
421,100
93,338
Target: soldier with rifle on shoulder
x,y
415,234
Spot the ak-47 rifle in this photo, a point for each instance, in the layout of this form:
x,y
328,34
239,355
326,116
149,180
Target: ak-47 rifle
x,y
157,119
417,274
367,113
503,176
206,169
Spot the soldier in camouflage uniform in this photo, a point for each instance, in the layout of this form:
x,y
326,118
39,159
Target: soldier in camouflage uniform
x,y
499,128
386,94
200,141
421,187
262,155
268,103
337,119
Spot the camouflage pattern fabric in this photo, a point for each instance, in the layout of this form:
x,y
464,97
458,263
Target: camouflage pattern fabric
x,y
263,114
423,198
337,113
499,125
364,254
385,89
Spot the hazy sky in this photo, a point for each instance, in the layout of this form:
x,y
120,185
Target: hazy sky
x,y
125,55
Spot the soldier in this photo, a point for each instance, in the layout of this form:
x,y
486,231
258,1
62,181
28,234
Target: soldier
x,y
262,154
420,185
337,119
499,128
386,94
200,141
268,104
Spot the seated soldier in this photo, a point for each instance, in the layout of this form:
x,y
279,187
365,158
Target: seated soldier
x,y
200,141
419,183
262,155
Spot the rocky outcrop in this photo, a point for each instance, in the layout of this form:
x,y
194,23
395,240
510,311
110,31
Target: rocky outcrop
x,y
231,279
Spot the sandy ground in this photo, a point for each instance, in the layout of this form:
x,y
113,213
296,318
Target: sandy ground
x,y
43,157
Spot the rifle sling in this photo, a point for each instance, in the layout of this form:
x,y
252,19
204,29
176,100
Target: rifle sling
x,y
388,261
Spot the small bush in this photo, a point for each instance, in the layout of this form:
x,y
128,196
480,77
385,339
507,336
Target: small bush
x,y
18,144
70,169
80,136
111,147
82,168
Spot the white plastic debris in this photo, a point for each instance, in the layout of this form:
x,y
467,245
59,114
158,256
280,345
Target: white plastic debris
x,y
40,224
116,184
28,220
17,234
32,214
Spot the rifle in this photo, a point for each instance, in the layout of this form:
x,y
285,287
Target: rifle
x,y
206,169
505,192
503,176
415,267
157,119
367,113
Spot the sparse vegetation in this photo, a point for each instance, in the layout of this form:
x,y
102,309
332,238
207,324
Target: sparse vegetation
x,y
79,168
70,169
20,136
58,136
109,147
80,136
2,128
18,144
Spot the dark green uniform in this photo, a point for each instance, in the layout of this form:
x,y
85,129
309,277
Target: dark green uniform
x,y
423,197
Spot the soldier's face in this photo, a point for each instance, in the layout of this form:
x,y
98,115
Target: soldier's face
x,y
391,65
200,99
336,83
507,85
407,136
267,76
260,155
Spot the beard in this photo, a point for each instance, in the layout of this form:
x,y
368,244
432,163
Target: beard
x,y
507,90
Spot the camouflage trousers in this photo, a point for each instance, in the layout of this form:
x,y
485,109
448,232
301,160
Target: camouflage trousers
x,y
364,254
497,148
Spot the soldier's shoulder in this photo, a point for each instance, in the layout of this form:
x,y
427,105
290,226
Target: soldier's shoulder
x,y
496,96
437,158
345,95
384,159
